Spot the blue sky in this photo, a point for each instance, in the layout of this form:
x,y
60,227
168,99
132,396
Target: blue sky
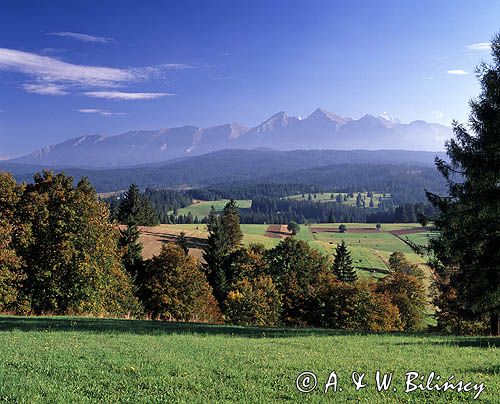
x,y
85,67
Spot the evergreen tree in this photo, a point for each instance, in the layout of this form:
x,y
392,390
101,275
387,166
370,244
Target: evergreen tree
x,y
136,208
359,200
132,254
231,222
182,242
469,219
342,265
215,255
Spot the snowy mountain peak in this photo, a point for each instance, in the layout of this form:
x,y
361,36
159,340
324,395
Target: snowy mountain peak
x,y
389,119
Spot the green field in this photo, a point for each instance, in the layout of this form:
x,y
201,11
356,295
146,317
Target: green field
x,y
84,360
327,197
370,251
202,208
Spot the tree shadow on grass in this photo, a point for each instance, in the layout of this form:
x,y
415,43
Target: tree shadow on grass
x,y
150,327
464,342
116,326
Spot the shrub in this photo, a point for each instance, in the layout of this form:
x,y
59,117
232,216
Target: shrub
x,y
384,314
254,302
407,293
343,305
293,228
173,287
296,269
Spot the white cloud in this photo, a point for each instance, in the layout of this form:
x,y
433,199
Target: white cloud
x,y
45,89
89,110
100,112
480,46
119,95
457,72
83,37
52,76
48,69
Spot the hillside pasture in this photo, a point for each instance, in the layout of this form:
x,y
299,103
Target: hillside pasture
x,y
370,248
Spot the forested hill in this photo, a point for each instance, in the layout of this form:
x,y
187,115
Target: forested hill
x,y
244,165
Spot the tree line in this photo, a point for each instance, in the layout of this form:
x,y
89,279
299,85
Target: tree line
x,y
61,253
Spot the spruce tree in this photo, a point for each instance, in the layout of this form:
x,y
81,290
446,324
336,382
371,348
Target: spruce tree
x,y
468,257
342,265
231,223
182,242
136,208
132,255
215,255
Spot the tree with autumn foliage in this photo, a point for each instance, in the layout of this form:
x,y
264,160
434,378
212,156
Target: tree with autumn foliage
x,y
174,287
11,271
71,259
297,269
254,301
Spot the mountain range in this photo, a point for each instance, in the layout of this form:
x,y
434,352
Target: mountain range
x,y
320,130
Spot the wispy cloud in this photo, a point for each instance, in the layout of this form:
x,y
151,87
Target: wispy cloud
x,y
48,69
51,76
101,112
457,72
83,37
119,95
479,47
45,89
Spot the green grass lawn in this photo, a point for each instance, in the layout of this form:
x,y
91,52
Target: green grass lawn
x,y
377,241
385,226
202,208
419,238
327,197
83,360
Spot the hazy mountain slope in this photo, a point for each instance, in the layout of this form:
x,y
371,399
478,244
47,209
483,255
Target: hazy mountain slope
x,y
320,130
229,165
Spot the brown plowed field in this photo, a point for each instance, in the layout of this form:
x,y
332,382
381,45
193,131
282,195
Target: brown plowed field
x,y
349,230
277,231
413,230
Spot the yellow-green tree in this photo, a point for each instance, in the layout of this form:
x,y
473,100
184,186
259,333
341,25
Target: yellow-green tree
x,y
174,287
71,260
11,274
254,302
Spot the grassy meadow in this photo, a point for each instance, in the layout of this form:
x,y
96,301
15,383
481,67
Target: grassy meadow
x,y
370,250
202,208
351,201
84,360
